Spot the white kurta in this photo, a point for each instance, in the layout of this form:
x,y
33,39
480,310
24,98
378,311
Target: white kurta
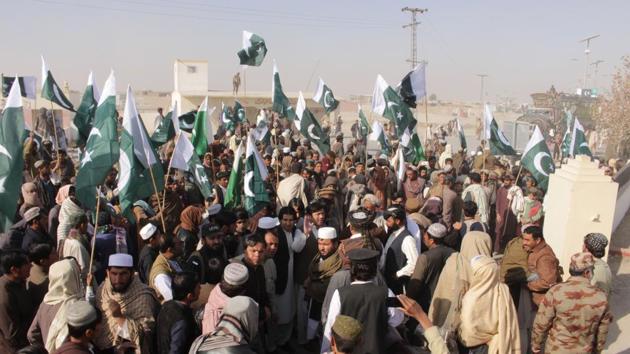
x,y
285,302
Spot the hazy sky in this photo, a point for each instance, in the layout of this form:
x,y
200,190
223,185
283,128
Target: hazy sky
x,y
523,46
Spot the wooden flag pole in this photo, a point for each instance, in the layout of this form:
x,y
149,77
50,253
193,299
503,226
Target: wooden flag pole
x,y
98,207
157,195
52,114
168,173
426,117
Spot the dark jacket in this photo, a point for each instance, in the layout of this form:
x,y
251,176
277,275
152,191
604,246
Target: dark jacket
x,y
147,257
176,328
16,312
72,348
32,237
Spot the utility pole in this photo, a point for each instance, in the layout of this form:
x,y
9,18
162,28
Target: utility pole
x,y
413,25
596,65
482,77
587,52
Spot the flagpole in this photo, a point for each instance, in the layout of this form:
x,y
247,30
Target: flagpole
x,y
426,117
98,206
168,172
52,113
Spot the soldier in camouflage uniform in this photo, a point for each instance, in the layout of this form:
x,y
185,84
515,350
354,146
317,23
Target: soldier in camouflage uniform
x,y
573,317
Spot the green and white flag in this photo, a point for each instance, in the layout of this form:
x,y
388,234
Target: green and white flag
x,y
11,155
579,144
256,195
462,136
254,50
101,148
202,133
228,118
235,184
239,113
378,134
387,103
399,163
261,132
412,147
140,166
84,116
51,91
168,128
185,159
565,147
309,126
499,144
325,97
537,159
364,126
280,102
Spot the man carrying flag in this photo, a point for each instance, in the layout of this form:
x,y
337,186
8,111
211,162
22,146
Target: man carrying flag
x,y
202,134
11,155
280,102
84,116
254,50
254,188
324,96
499,145
141,172
101,148
309,127
537,159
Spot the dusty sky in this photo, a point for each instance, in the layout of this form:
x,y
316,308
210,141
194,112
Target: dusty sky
x,y
524,47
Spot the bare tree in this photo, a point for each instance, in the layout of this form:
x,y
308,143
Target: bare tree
x,y
613,116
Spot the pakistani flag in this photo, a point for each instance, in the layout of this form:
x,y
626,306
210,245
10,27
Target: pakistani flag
x,y
185,159
412,147
565,147
325,97
399,162
27,86
499,144
378,134
280,102
11,158
51,91
84,116
579,144
364,126
261,132
187,121
413,86
239,112
254,50
202,134
462,137
227,118
387,103
537,159
168,128
101,148
309,127
235,184
256,195
140,168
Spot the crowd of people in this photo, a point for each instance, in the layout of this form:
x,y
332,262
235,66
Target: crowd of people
x,y
345,258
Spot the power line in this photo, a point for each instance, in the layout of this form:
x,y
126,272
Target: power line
x,y
413,25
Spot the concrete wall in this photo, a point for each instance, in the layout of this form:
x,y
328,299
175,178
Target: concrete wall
x,y
190,75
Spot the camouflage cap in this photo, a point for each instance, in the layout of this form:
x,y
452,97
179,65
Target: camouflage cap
x,y
581,261
347,327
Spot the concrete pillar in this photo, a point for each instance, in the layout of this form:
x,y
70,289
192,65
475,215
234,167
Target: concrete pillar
x,y
580,200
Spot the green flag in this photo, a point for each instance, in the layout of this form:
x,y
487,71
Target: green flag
x,y
537,159
11,156
325,97
261,132
101,148
364,126
565,147
167,129
309,126
51,91
239,113
254,50
140,168
499,144
227,118
280,102
256,195
84,116
378,134
412,148
185,159
387,103
235,184
462,136
579,144
202,134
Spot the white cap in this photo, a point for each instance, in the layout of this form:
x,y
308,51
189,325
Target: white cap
x,y
268,223
286,150
214,209
147,231
120,260
327,233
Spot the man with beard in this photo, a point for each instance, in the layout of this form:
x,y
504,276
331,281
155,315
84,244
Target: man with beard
x,y
129,309
255,287
323,266
400,253
210,260
165,266
35,232
151,237
45,187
